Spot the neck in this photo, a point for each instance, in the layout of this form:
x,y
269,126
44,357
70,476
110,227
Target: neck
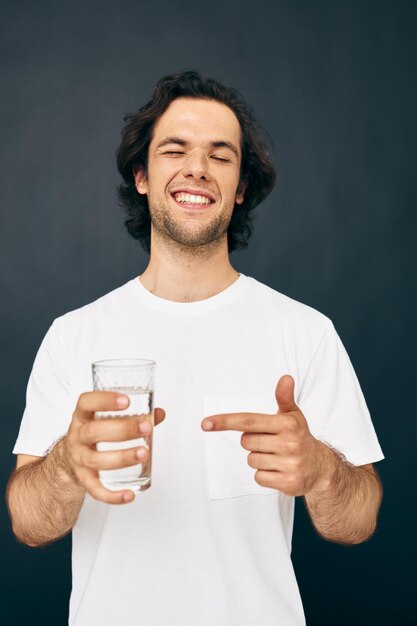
x,y
185,274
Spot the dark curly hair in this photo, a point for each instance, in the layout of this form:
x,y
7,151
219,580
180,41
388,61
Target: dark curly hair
x,y
257,170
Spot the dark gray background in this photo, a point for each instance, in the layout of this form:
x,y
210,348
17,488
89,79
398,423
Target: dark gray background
x,y
335,85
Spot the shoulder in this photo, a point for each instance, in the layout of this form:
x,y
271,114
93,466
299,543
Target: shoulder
x,y
290,312
93,312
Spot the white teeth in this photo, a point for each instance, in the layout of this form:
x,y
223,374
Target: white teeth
x,y
191,198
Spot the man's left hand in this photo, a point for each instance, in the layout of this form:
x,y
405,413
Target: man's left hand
x,y
282,449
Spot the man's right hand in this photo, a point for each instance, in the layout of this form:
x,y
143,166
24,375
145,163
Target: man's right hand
x,y
82,461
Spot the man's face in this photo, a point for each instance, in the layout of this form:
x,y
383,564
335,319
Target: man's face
x,y
193,172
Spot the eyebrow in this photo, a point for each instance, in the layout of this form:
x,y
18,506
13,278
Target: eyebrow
x,y
213,144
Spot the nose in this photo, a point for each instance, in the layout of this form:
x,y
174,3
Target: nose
x,y
197,166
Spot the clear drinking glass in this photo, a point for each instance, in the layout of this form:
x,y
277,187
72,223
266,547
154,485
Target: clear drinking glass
x,y
134,378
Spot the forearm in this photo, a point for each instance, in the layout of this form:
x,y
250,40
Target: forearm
x,y
44,499
344,507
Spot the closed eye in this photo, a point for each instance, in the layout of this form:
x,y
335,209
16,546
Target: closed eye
x,y
216,158
179,152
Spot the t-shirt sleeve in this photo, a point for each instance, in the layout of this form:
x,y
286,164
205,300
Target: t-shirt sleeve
x,y
333,403
48,410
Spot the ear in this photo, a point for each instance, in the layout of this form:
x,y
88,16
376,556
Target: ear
x,y
141,182
240,192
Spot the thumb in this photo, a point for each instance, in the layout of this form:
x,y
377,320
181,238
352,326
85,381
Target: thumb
x,y
159,416
284,394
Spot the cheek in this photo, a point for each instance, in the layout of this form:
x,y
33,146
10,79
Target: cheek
x,y
161,174
228,184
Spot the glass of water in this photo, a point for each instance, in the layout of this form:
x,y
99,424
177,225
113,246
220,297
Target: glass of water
x,y
134,378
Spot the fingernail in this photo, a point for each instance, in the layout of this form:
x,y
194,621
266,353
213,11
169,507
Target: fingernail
x,y
122,401
141,453
144,427
127,497
208,425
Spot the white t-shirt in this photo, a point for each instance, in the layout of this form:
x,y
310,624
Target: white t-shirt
x,y
205,544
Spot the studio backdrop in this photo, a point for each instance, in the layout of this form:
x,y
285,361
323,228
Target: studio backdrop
x,y
334,85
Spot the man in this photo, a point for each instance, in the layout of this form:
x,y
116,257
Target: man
x,y
262,403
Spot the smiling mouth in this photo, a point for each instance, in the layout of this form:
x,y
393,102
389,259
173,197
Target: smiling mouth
x,y
193,201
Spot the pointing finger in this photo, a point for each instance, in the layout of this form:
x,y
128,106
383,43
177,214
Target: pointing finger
x,y
244,422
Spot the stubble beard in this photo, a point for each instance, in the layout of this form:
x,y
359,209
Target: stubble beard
x,y
190,237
